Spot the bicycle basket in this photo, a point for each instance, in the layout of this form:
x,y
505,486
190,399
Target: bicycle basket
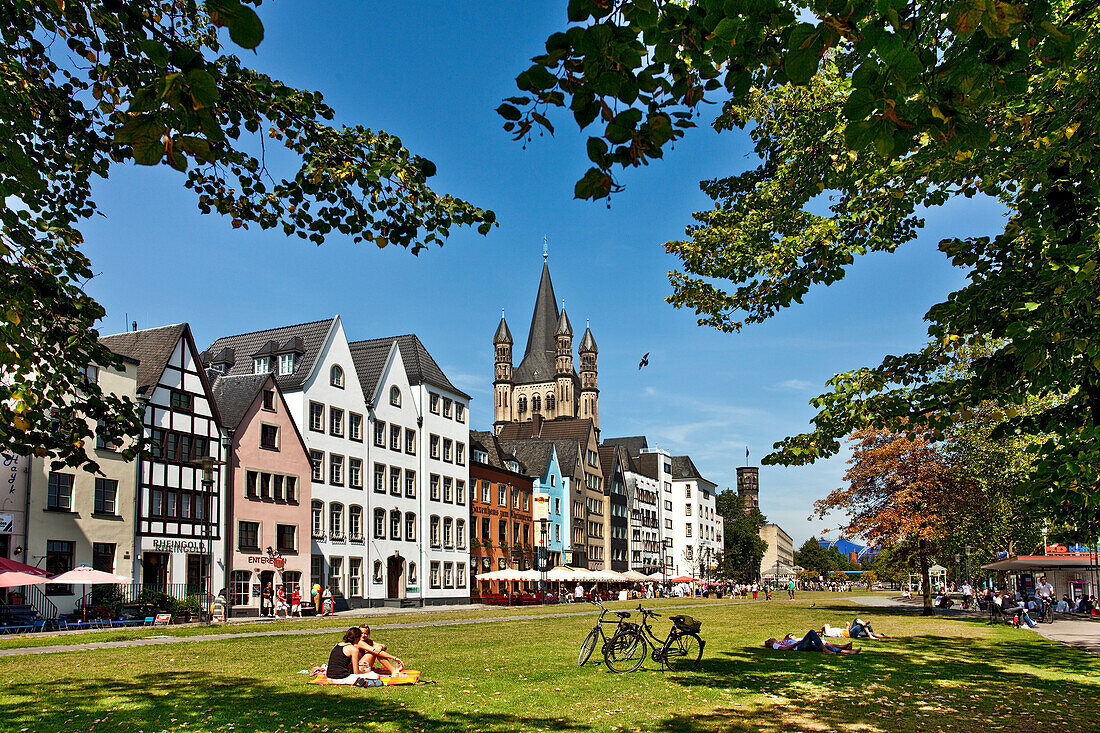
x,y
687,623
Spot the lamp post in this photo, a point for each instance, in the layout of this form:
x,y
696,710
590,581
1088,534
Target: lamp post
x,y
957,558
207,463
967,549
544,556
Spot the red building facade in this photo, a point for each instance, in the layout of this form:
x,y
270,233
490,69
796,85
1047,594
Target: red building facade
x,y
501,528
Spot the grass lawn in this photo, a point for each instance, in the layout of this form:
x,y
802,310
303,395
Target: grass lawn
x,y
945,674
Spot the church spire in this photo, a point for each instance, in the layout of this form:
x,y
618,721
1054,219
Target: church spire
x,y
538,357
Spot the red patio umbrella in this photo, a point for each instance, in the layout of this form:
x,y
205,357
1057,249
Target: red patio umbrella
x,y
14,566
16,579
683,579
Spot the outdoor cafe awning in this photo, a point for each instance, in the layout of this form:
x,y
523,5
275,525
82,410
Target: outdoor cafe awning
x,y
1042,562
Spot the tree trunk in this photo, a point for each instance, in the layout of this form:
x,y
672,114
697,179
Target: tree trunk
x,y
926,584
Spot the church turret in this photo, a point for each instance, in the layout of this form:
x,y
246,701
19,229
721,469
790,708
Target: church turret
x,y
502,382
563,367
590,393
748,486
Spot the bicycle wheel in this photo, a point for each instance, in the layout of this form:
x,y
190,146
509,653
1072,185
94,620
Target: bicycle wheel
x,y
587,646
625,652
1048,613
682,652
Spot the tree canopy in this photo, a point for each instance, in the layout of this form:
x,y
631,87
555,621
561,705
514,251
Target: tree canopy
x,y
819,560
89,85
863,113
742,548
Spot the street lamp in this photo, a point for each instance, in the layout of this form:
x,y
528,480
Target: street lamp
x,y
957,558
207,463
967,549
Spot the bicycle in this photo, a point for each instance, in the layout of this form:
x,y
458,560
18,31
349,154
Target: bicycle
x,y
1046,611
680,651
597,632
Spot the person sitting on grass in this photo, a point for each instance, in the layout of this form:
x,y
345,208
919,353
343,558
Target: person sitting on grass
x,y
343,661
373,654
811,642
860,629
944,601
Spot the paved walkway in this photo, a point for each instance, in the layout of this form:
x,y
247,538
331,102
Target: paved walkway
x,y
1078,631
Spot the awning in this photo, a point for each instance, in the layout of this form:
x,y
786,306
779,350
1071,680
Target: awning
x,y
1042,562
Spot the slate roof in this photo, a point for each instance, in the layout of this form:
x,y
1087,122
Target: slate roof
x,y
647,464
235,394
304,338
497,453
576,428
588,343
420,368
151,347
683,468
538,358
533,454
634,444
503,335
607,461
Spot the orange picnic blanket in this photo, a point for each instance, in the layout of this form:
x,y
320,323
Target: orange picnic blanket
x,y
405,677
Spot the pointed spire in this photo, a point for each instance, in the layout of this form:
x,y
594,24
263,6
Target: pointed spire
x,y
565,328
503,335
538,357
588,343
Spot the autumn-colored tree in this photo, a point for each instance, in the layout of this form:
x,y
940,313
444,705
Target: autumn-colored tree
x,y
902,488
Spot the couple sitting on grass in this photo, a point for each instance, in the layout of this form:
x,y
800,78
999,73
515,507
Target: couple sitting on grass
x,y
352,661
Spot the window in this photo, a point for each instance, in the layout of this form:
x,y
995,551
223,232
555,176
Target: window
x,y
484,492
336,575
355,427
522,404
248,535
687,491
106,491
515,498
448,532
335,469
433,487
91,374
395,481
668,525
380,433
447,444
336,376
502,495
59,559
447,406
261,365
317,460
103,556
549,402
286,538
668,506
277,487
355,473
336,422
59,493
336,521
410,442
502,531
536,403
290,482
433,574
447,483
433,531
316,417
687,510
395,525
355,522
460,412
433,403
448,575
395,437
460,533
269,437
689,551
269,400
376,576
460,574
485,529
101,443
460,491
180,400
395,396
379,524
410,531
379,478
687,530
460,454
317,520
410,484
433,446
355,571
557,505
286,363
240,587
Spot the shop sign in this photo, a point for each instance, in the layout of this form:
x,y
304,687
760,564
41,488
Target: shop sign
x,y
178,546
266,560
412,589
7,521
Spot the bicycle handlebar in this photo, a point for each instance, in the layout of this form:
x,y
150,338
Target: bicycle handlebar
x,y
647,612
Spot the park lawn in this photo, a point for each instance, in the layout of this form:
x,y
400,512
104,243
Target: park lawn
x,y
946,674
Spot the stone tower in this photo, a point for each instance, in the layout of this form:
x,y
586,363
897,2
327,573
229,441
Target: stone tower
x,y
748,486
590,394
563,368
502,378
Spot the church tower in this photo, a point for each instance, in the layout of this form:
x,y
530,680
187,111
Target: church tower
x,y
563,366
748,486
502,380
590,394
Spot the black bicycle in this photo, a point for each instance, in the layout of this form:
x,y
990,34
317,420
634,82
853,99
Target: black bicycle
x,y
680,651
1046,611
597,633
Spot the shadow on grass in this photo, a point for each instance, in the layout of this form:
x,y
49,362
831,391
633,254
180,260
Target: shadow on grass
x,y
192,701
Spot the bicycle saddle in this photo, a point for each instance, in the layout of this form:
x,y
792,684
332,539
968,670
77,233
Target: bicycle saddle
x,y
623,614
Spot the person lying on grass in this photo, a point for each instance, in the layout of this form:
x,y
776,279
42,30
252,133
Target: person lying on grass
x,y
344,666
811,642
372,653
858,629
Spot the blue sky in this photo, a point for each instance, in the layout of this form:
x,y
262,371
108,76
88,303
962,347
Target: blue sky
x,y
432,73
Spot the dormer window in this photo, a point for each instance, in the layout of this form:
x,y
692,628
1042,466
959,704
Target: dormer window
x,y
395,396
480,456
261,365
336,376
286,363
218,368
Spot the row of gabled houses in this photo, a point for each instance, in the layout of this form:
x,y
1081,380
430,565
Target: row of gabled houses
x,y
352,464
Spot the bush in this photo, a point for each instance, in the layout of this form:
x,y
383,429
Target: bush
x,y
107,600
161,602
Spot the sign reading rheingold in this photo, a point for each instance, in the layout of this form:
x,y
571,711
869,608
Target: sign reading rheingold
x,y
178,546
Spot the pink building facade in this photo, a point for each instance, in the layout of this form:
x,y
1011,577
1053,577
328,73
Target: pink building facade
x,y
268,494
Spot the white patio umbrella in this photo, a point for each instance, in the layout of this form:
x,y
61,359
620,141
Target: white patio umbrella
x,y
85,575
505,574
16,579
635,577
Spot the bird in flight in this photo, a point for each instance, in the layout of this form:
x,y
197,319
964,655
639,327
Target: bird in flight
x,y
644,361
